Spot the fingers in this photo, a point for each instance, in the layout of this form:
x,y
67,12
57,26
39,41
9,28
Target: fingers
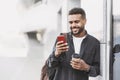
x,y
75,63
61,44
76,59
61,47
78,64
76,67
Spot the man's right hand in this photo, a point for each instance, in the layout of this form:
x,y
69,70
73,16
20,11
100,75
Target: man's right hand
x,y
61,47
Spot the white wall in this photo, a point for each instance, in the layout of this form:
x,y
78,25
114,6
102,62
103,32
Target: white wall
x,y
22,58
94,12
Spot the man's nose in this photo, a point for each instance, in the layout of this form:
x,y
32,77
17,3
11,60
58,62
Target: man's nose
x,y
73,24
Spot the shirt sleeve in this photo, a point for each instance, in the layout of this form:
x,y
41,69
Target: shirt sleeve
x,y
53,61
95,67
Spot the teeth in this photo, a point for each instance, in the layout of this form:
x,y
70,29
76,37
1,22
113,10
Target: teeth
x,y
74,29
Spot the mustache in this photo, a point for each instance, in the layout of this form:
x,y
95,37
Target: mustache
x,y
74,27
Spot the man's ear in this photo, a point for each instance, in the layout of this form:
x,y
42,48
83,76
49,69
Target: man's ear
x,y
84,21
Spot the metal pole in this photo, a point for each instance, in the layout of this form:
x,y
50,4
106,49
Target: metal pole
x,y
106,44
109,37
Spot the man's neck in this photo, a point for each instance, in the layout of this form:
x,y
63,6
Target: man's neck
x,y
81,34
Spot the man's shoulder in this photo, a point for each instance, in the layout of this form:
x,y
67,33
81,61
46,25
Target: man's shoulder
x,y
90,37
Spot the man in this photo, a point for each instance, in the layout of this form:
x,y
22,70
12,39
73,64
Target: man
x,y
79,42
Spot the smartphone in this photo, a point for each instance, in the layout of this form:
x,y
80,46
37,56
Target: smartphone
x,y
61,38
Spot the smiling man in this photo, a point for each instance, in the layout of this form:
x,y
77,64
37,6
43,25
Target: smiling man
x,y
79,57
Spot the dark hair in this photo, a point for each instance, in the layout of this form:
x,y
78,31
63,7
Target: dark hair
x,y
78,11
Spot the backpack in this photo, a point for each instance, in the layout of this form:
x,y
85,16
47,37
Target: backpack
x,y
47,73
44,74
51,73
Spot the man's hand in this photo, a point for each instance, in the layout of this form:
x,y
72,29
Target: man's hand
x,y
61,47
79,64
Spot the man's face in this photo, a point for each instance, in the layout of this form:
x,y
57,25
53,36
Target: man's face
x,y
76,23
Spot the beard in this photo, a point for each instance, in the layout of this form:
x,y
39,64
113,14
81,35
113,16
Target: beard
x,y
77,31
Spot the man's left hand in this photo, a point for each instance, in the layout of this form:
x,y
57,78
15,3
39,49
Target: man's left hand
x,y
79,64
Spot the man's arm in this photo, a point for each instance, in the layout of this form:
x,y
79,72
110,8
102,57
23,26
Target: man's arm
x,y
92,69
59,49
95,67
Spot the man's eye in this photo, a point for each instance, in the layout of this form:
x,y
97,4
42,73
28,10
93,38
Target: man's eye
x,y
76,21
70,22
